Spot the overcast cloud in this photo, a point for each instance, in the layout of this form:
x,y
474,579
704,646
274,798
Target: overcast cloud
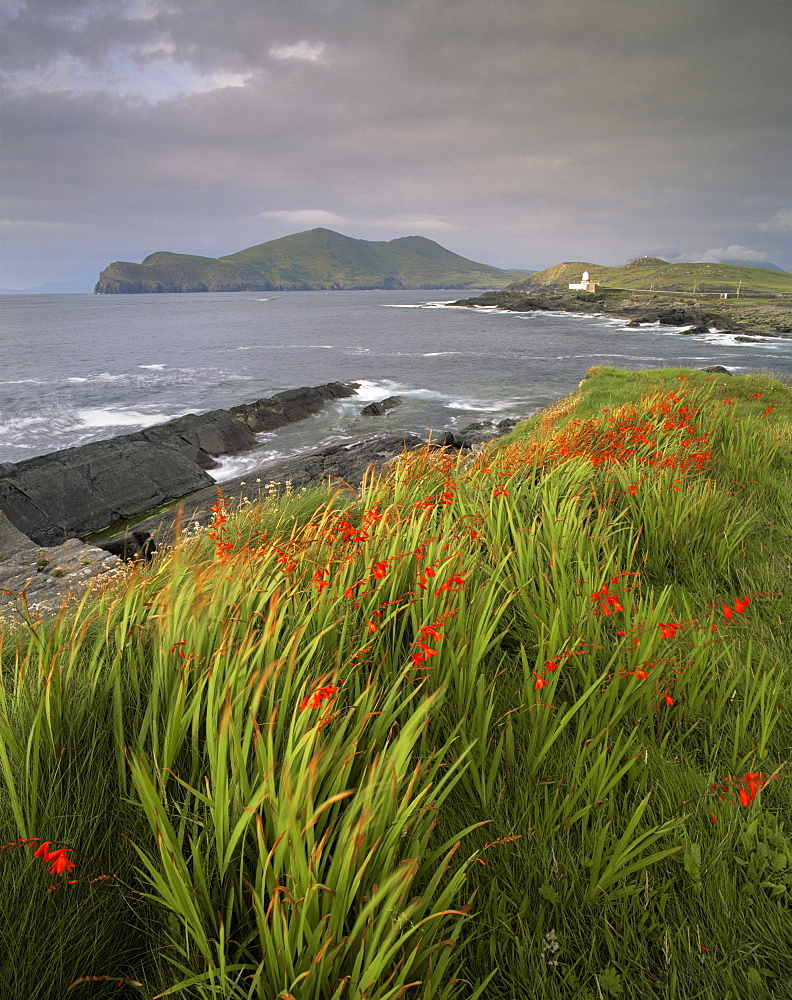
x,y
515,132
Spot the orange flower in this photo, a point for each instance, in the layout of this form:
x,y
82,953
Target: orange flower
x,y
456,578
322,694
540,682
668,699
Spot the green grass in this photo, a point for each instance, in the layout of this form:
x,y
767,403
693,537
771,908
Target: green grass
x,y
652,273
460,736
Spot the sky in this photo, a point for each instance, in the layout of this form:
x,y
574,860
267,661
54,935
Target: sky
x,y
519,133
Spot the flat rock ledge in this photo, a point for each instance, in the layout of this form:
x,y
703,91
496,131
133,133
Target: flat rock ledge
x,y
77,491
47,576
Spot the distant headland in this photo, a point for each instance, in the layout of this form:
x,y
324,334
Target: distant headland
x,y
728,297
315,259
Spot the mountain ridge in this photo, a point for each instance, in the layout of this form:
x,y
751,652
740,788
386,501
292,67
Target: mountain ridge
x,y
314,259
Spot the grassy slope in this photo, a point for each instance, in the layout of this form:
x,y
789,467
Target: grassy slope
x,y
319,258
645,273
284,837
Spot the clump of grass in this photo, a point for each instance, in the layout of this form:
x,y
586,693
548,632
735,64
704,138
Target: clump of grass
x,y
505,725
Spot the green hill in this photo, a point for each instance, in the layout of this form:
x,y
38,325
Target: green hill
x,y
654,274
316,259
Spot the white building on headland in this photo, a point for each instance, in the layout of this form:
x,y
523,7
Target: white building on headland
x,y
584,285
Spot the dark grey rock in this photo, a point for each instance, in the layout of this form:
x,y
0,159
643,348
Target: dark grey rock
x,y
693,330
716,369
378,409
290,406
199,437
79,490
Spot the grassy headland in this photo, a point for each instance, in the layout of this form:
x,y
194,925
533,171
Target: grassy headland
x,y
652,290
508,725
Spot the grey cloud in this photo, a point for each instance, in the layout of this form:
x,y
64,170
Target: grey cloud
x,y
519,134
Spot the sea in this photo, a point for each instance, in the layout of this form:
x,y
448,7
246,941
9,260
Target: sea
x,y
77,368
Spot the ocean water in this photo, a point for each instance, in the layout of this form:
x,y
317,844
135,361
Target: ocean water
x,y
80,368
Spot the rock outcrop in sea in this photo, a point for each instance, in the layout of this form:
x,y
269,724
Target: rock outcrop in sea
x,y
77,491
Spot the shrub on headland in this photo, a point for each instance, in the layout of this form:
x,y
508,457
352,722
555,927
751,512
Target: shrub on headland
x,y
508,724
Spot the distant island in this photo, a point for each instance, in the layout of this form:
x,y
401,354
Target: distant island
x,y
315,259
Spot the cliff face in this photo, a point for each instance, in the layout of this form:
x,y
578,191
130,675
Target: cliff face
x,y
317,259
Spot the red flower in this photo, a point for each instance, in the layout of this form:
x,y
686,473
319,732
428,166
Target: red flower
x,y
727,611
668,699
372,627
380,569
60,863
540,682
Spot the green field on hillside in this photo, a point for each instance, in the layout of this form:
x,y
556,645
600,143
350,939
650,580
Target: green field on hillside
x,y
654,274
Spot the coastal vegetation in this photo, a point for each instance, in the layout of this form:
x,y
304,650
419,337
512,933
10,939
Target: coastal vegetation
x,y
501,725
315,259
654,274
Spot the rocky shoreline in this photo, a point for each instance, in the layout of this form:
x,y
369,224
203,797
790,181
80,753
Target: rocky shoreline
x,y
747,318
143,483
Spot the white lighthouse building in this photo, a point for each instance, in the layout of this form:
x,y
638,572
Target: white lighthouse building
x,y
584,285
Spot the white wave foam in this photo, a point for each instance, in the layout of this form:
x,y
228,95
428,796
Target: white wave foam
x,y
438,354
122,418
369,389
156,367
418,305
76,378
